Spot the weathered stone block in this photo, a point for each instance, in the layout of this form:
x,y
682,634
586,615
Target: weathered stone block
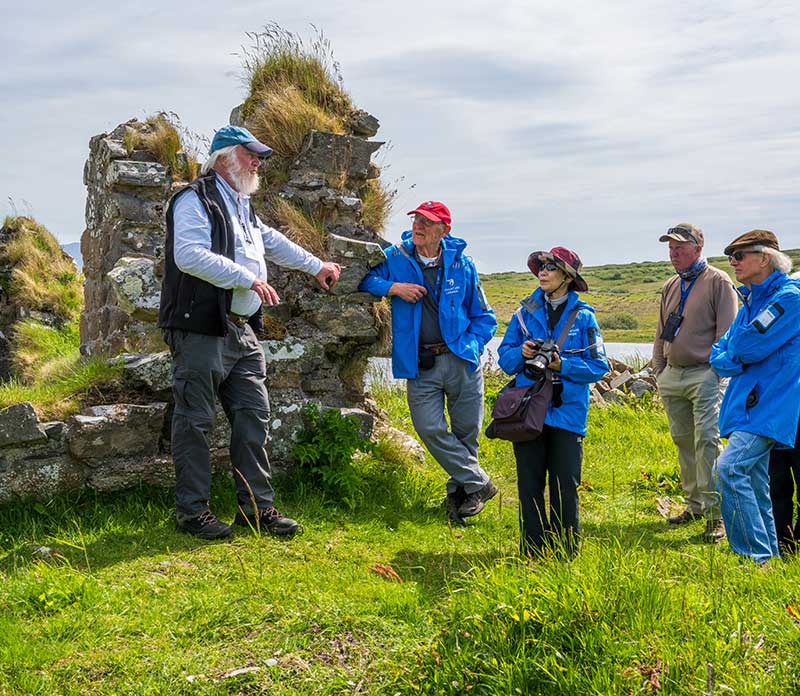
x,y
118,430
39,470
366,421
363,124
331,154
337,317
149,371
19,426
639,388
130,173
118,473
138,291
621,380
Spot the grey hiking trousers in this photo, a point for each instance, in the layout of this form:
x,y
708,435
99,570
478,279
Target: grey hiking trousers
x,y
232,368
454,447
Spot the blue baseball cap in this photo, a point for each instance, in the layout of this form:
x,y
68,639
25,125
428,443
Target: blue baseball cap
x,y
235,135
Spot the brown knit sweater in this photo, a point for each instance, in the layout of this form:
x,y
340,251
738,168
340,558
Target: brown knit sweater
x,y
707,314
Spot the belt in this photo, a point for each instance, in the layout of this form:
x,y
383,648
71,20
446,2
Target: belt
x,y
238,319
437,348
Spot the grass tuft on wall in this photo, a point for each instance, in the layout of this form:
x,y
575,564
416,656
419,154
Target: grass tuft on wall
x,y
162,139
298,225
295,86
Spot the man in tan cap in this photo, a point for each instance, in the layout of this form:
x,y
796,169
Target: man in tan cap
x,y
760,353
698,305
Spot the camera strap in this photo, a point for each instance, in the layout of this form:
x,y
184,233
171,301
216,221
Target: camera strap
x,y
685,294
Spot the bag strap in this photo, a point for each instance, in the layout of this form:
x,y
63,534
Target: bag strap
x,y
562,337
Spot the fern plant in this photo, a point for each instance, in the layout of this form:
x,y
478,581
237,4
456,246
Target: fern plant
x,y
324,453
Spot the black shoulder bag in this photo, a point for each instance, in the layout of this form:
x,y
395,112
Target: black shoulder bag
x,y
518,414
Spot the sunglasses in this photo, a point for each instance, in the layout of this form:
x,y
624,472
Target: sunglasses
x,y
548,266
739,255
425,222
683,232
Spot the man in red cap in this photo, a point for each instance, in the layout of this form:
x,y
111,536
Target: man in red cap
x,y
441,323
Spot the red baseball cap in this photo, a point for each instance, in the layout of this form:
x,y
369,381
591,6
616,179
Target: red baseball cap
x,y
433,210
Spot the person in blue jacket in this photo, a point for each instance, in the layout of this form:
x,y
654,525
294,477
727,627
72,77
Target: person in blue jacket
x,y
558,452
784,480
760,353
441,322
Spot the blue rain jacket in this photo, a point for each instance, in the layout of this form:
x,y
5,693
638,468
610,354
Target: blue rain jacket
x,y
578,370
760,352
466,320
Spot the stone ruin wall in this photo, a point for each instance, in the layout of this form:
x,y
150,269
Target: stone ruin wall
x,y
316,344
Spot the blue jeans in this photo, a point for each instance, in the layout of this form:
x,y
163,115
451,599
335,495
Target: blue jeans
x,y
743,482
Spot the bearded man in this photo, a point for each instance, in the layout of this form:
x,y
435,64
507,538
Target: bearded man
x,y
215,281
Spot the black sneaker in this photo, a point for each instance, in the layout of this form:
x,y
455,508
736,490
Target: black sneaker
x,y
474,502
453,502
205,526
270,521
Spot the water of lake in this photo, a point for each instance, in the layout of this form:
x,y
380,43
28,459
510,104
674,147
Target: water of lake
x,y
640,352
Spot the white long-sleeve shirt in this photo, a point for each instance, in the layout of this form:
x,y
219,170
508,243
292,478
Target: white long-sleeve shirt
x,y
193,255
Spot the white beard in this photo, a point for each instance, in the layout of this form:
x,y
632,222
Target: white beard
x,y
244,182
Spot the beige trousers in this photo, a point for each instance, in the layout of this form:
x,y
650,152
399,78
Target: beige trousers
x,y
691,398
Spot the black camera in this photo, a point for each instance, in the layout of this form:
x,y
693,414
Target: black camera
x,y
545,353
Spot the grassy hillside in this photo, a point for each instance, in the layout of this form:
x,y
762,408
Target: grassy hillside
x,y
120,603
616,290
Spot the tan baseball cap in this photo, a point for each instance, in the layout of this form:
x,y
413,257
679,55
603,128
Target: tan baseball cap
x,y
683,232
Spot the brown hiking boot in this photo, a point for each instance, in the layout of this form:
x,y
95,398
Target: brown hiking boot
x,y
686,516
715,531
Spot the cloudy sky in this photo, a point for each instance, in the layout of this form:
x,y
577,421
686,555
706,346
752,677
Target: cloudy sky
x,y
592,125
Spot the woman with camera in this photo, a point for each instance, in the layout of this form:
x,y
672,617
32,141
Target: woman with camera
x,y
554,314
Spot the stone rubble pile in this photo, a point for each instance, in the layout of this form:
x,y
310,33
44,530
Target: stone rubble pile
x,y
620,384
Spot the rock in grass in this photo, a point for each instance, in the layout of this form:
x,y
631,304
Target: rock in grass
x,y
19,425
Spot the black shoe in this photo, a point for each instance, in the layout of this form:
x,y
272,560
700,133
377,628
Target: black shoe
x,y
686,516
474,502
270,521
453,502
205,526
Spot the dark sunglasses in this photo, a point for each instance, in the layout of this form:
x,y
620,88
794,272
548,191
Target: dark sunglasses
x,y
739,255
683,232
548,266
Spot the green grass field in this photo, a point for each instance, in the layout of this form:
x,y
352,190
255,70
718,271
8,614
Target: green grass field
x,y
124,604
632,288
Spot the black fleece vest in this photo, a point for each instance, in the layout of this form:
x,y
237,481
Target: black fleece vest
x,y
190,303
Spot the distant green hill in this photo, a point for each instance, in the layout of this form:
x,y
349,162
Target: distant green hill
x,y
625,296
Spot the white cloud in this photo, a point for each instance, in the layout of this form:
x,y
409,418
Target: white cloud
x,y
590,124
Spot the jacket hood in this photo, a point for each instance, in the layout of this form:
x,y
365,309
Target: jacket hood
x,y
451,244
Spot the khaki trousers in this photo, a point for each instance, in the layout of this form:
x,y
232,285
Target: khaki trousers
x,y
691,398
